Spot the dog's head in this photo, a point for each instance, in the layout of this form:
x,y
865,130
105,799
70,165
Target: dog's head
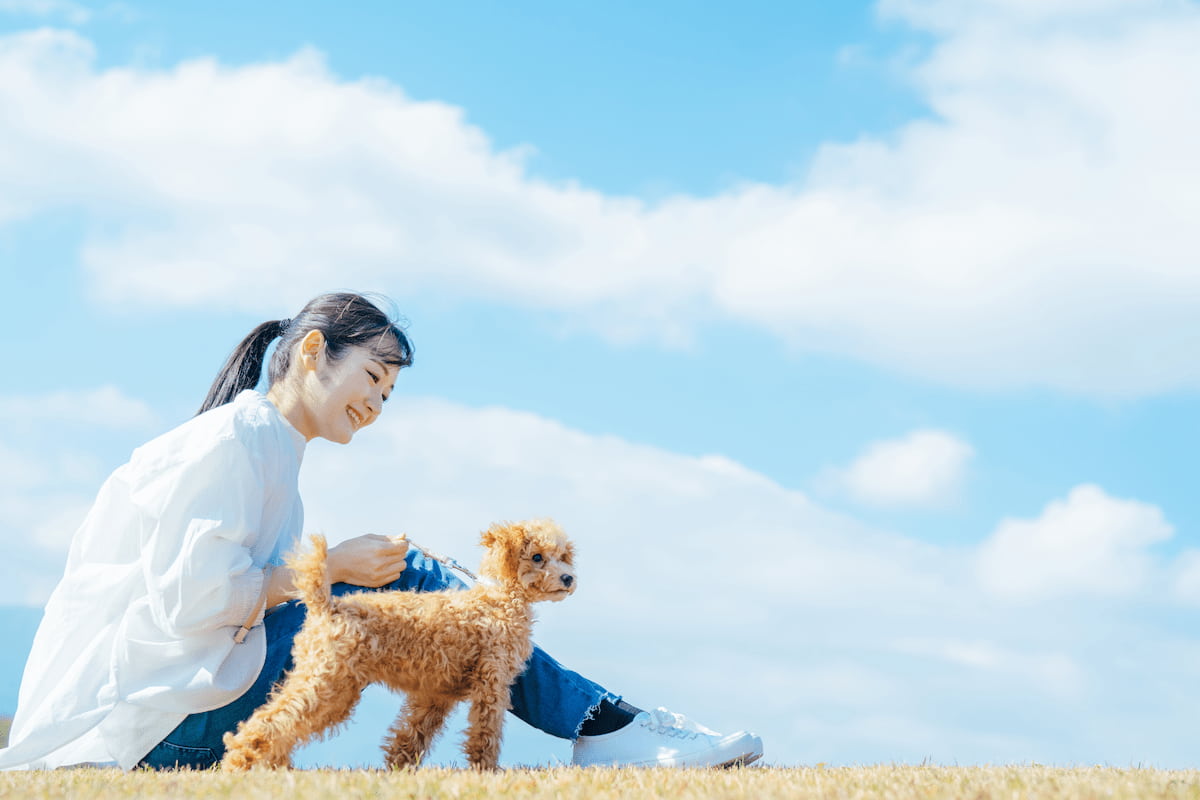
x,y
534,556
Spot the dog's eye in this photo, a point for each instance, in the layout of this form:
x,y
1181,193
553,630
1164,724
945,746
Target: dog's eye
x,y
537,558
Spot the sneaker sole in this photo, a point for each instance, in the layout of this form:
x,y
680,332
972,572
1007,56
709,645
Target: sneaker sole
x,y
740,761
745,758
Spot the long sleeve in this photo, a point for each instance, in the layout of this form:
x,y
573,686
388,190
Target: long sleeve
x,y
203,546
202,517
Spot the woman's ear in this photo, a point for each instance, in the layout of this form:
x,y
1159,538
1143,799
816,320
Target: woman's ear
x,y
312,346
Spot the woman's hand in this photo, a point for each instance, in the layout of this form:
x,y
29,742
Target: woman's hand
x,y
371,560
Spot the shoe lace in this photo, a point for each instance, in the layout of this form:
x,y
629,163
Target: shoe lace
x,y
668,723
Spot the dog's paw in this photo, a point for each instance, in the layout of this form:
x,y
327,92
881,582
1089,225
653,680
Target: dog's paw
x,y
242,755
236,761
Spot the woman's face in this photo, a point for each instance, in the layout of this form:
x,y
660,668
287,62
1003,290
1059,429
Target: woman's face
x,y
346,395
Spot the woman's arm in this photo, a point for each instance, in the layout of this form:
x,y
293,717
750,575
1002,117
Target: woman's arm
x,y
202,516
279,586
370,560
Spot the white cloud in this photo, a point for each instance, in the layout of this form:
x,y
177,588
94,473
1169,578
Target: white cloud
x,y
1185,577
948,15
73,13
1052,672
44,496
1089,543
1035,230
104,406
925,468
50,472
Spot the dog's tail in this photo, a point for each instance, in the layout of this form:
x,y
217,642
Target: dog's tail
x,y
311,578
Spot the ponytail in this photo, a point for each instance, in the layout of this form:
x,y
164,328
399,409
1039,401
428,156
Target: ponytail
x,y
346,319
243,368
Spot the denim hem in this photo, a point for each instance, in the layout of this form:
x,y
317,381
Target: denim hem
x,y
592,709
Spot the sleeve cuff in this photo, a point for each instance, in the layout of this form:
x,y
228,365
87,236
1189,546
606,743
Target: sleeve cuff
x,y
247,589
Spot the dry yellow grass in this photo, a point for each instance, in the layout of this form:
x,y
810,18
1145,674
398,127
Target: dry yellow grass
x,y
891,782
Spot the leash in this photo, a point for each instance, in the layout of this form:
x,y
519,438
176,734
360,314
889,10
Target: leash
x,y
445,561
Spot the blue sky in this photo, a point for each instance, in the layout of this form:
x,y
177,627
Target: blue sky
x,y
853,342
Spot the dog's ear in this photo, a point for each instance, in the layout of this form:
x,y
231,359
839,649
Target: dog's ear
x,y
504,542
493,534
488,537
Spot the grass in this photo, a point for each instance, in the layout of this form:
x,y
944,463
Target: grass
x,y
891,782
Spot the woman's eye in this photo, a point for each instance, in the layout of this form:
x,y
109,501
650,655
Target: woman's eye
x,y
374,377
537,558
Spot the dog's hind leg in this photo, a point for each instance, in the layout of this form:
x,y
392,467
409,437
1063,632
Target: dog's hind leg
x,y
311,699
415,728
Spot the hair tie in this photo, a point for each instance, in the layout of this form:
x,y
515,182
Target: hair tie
x,y
283,326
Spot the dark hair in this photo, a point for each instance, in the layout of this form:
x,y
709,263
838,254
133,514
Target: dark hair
x,y
346,319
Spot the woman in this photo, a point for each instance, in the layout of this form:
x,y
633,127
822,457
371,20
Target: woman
x,y
155,642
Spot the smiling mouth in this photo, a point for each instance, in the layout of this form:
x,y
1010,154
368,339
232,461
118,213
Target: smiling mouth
x,y
356,419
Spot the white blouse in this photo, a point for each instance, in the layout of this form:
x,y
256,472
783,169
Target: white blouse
x,y
167,565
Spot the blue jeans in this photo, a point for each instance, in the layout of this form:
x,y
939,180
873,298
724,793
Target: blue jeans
x,y
546,695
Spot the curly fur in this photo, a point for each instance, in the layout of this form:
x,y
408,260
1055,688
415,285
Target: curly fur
x,y
438,648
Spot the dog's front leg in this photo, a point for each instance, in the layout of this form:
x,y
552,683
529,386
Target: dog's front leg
x,y
415,728
482,747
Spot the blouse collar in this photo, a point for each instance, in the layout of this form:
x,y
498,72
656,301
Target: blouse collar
x,y
298,440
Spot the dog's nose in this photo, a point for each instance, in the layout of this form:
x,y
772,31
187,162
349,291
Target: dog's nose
x,y
568,580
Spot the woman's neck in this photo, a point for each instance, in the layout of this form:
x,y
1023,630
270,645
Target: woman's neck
x,y
292,408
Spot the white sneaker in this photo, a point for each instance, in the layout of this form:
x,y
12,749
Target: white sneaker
x,y
661,739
